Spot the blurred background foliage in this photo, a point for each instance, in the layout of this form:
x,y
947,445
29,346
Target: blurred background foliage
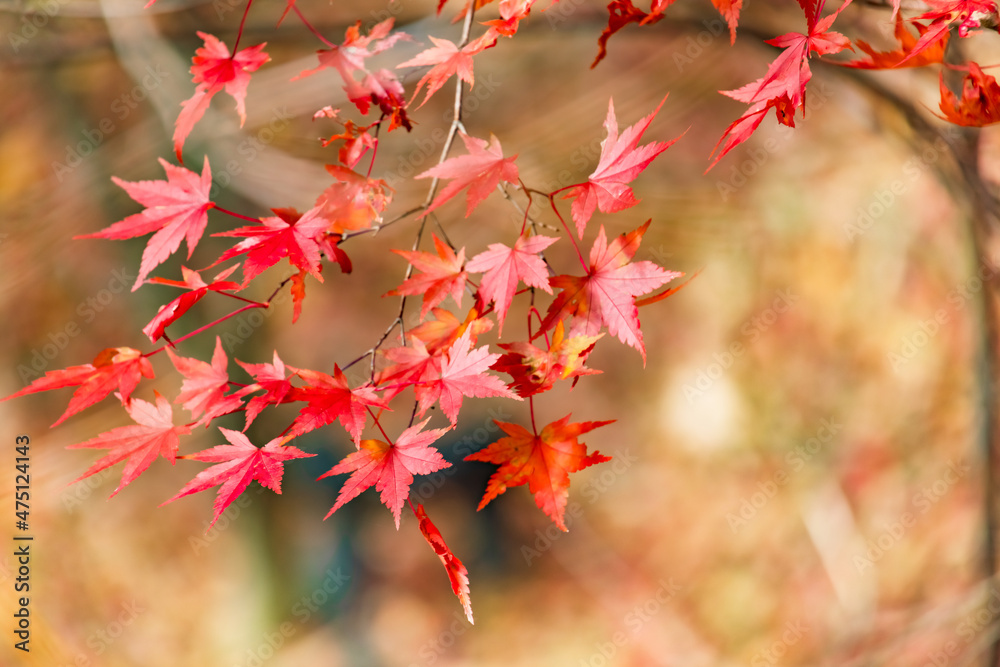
x,y
797,472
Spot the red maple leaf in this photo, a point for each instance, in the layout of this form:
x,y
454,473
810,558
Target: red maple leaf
x,y
505,266
903,56
171,312
389,467
113,369
330,399
298,236
273,379
458,575
542,461
980,103
447,60
463,374
238,464
968,15
205,385
606,295
352,202
783,88
154,435
480,171
534,370
441,274
214,70
176,209
622,159
622,13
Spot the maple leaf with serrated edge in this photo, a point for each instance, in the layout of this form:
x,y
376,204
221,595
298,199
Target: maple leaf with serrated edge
x,y
409,364
503,266
153,435
113,369
273,379
903,56
534,370
204,387
299,237
622,159
331,399
215,70
458,575
606,295
237,465
966,14
389,467
783,87
447,60
463,374
352,202
622,13
171,312
480,171
440,275
542,461
176,209
980,103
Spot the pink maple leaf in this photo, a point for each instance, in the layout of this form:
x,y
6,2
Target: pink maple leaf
x,y
447,60
622,159
204,387
272,378
176,209
389,467
237,465
441,274
480,171
153,435
505,266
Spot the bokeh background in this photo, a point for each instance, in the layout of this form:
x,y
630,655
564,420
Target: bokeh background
x,y
797,475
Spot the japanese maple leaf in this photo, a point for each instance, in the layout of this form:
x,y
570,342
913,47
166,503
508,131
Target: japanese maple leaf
x,y
238,464
542,461
204,387
299,237
511,14
463,374
504,267
389,467
331,399
535,370
606,295
176,209
440,274
966,14
903,56
154,435
113,369
214,70
408,364
480,171
446,328
458,575
352,202
622,159
980,103
783,87
171,312
622,13
273,379
447,60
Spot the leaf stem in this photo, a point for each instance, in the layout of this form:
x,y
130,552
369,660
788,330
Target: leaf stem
x,y
236,215
239,34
